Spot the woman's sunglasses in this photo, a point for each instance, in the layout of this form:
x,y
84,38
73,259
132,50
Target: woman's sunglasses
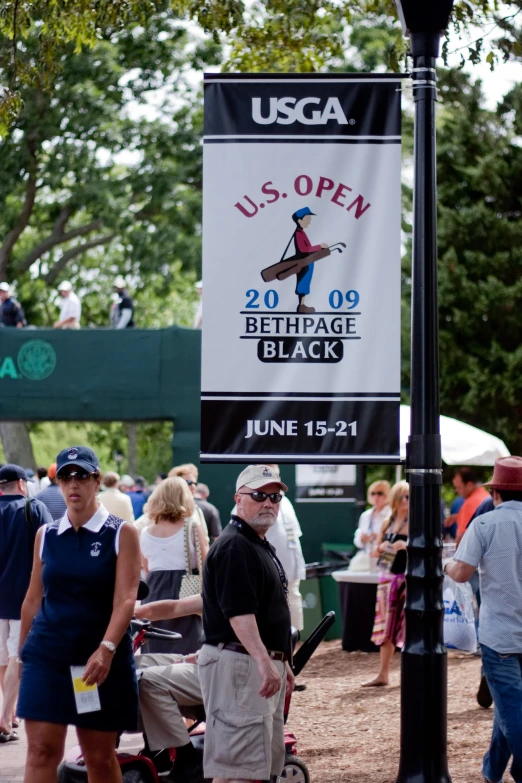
x,y
80,476
376,493
260,497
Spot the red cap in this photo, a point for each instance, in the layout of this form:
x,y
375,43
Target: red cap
x,y
51,471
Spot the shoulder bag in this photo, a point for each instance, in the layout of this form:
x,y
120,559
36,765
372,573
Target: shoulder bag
x,y
191,583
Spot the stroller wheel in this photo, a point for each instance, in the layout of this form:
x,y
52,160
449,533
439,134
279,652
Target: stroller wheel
x,y
136,776
294,771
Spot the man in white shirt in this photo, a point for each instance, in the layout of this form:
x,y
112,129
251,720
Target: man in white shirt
x,y
71,308
116,502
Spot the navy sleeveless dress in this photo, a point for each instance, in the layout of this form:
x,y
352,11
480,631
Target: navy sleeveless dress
x,y
79,572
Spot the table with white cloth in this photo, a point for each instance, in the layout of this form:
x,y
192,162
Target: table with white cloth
x,y
358,593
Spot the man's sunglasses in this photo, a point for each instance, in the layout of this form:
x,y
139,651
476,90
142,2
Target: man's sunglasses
x,y
376,493
79,475
260,497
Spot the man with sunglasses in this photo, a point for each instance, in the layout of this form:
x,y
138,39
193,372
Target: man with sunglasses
x,y
242,666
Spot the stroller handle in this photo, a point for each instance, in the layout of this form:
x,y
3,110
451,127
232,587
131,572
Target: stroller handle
x,y
308,648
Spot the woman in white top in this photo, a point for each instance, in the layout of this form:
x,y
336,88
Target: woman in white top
x,y
371,521
163,552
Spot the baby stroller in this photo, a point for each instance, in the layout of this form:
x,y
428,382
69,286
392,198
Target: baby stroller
x,y
138,768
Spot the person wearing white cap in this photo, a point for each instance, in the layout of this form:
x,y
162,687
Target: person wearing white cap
x,y
123,312
243,665
12,313
198,318
71,308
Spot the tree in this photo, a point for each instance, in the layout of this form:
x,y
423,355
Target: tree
x,y
299,35
480,257
91,186
86,191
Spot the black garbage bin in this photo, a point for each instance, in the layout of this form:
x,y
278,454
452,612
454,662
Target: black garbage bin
x,y
358,613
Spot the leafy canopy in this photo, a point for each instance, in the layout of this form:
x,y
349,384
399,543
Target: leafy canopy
x,y
94,182
291,35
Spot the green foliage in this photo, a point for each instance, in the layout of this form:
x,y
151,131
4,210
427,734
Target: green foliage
x,y
285,35
109,440
480,241
54,23
91,186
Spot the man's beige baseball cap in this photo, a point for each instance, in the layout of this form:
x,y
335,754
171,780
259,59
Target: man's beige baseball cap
x,y
257,476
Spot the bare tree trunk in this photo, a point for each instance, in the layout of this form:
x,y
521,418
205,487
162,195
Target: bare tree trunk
x,y
17,443
132,448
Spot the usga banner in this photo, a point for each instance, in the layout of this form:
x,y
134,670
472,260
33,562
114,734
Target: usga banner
x,y
301,268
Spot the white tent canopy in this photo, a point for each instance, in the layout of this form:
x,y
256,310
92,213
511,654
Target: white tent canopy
x,y
462,444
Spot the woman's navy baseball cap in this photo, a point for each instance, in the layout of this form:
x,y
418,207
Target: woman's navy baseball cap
x,y
81,456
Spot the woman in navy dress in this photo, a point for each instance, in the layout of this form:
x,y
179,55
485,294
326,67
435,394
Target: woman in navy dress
x,y
77,613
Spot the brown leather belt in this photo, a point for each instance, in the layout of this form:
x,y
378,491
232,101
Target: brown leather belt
x,y
275,655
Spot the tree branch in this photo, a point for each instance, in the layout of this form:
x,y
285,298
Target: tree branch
x,y
15,43
57,237
76,251
21,224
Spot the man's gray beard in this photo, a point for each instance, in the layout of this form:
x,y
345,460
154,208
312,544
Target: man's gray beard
x,y
262,522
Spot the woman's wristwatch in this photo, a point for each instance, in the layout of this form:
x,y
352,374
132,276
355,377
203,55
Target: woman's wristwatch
x,y
109,645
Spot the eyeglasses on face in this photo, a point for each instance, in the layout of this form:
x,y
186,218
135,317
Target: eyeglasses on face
x,y
260,497
191,483
376,492
79,475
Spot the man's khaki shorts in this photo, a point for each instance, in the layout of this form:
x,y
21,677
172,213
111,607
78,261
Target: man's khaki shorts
x,y
244,732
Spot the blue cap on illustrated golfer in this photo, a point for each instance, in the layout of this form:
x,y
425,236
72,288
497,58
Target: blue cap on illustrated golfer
x,y
300,213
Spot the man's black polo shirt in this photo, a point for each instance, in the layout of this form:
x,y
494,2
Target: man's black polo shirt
x,y
241,577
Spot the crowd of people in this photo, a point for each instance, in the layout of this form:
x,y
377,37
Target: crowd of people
x,y
70,564
121,315
72,549
486,524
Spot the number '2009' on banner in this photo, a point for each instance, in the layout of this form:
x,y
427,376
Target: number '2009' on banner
x,y
270,299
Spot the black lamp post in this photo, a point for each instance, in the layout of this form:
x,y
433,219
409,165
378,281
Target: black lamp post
x,y
424,664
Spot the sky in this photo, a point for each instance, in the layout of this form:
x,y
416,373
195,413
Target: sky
x,y
495,83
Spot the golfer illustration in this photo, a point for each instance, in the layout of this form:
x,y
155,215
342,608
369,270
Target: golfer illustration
x,y
302,262
303,248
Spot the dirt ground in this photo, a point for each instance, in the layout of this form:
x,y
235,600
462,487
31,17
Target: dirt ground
x,y
350,734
